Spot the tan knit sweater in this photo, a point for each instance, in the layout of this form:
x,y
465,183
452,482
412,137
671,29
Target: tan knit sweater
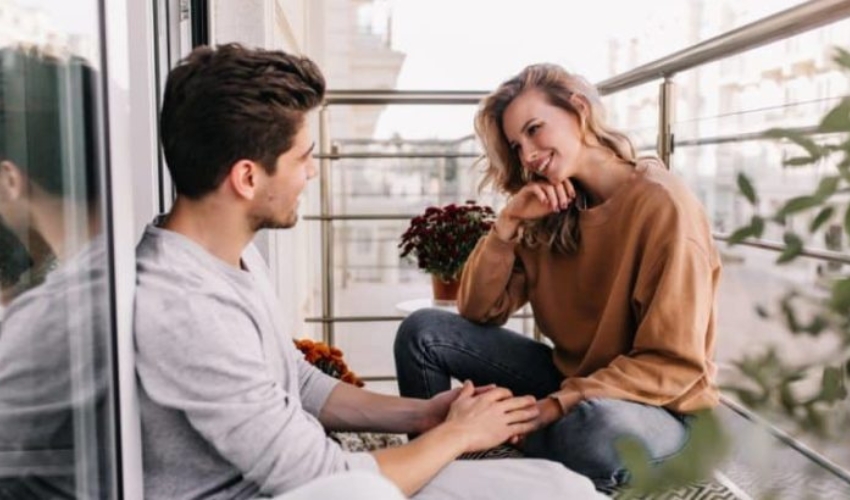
x,y
632,313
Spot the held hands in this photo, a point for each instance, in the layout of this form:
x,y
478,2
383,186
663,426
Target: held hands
x,y
534,201
491,416
437,408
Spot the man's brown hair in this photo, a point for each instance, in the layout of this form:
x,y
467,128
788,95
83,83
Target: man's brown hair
x,y
229,103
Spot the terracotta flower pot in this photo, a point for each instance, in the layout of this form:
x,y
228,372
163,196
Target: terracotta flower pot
x,y
444,291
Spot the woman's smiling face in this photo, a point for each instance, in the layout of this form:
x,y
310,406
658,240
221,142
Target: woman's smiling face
x,y
547,139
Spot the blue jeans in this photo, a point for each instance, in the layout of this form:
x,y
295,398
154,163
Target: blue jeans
x,y
434,346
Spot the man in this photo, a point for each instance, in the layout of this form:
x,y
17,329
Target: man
x,y
229,408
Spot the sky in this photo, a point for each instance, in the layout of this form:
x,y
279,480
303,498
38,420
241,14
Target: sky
x,y
67,16
476,44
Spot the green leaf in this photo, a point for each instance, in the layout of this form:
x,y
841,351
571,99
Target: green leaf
x,y
798,204
841,57
740,235
821,218
844,165
838,119
800,139
847,221
790,317
840,300
746,188
832,386
817,325
800,161
827,187
787,399
762,311
757,225
793,248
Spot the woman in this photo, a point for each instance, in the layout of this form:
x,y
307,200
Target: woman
x,y
615,256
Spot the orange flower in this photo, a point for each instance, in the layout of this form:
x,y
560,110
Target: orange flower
x,y
328,359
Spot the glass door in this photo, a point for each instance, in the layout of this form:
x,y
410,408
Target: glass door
x,y
57,370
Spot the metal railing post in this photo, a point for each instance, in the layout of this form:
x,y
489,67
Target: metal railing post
x,y
327,226
666,114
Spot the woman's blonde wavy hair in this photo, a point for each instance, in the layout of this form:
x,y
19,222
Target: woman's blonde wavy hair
x,y
503,169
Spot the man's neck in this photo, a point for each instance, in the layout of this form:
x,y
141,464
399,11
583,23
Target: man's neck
x,y
218,227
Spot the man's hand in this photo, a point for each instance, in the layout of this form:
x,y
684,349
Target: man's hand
x,y
435,409
490,417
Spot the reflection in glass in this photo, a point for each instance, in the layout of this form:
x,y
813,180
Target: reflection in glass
x,y
55,438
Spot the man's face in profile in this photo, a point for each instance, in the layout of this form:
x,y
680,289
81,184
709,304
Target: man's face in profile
x,y
278,200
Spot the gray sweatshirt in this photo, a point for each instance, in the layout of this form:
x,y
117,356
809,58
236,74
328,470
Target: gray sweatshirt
x,y
228,405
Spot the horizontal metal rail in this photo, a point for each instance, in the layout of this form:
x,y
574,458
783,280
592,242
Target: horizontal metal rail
x,y
379,378
787,439
776,246
703,141
376,155
354,319
360,141
382,97
362,217
382,319
785,24
355,141
745,137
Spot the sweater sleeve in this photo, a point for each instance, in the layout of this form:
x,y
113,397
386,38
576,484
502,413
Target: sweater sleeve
x,y
492,287
205,359
673,301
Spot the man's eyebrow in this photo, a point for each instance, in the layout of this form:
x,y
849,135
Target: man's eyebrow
x,y
309,151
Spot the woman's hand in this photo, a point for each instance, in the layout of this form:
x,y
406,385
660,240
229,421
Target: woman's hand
x,y
534,201
549,411
490,418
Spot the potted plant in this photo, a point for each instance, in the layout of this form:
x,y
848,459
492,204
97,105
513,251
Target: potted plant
x,y
441,240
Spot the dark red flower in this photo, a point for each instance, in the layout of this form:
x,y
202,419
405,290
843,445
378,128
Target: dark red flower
x,y
442,238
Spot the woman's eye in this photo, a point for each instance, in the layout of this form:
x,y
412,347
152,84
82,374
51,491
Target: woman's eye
x,y
533,129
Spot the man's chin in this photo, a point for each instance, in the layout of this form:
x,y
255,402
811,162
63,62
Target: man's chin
x,y
275,224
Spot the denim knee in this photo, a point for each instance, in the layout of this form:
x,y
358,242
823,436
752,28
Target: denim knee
x,y
418,326
586,439
590,431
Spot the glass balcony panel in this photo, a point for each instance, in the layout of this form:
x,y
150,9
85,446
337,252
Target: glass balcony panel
x,y
57,412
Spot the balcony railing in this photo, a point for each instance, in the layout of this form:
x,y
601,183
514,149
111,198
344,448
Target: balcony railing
x,y
790,22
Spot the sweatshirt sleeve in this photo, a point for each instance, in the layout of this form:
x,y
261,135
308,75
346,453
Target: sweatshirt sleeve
x,y
315,385
673,301
492,286
204,358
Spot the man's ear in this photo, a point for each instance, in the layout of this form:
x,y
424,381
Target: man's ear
x,y
11,181
244,178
